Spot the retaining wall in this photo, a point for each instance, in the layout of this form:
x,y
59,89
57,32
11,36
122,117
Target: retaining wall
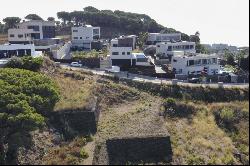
x,y
149,149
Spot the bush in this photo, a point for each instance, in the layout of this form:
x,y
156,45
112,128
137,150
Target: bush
x,y
169,103
25,97
27,62
84,154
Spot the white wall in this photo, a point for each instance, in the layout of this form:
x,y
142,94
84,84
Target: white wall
x,y
19,47
24,25
179,46
180,63
121,50
163,37
26,33
84,33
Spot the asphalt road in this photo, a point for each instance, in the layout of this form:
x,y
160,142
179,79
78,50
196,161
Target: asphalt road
x,y
141,78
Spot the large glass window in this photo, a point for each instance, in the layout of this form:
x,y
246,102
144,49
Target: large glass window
x,y
204,61
115,53
191,62
214,61
35,28
20,36
12,35
169,48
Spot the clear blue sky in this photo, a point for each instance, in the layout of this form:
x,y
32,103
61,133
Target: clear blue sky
x,y
219,21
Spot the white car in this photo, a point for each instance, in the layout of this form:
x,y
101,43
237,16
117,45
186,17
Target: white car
x,y
75,64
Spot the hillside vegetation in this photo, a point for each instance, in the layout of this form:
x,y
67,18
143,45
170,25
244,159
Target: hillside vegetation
x,y
26,99
202,130
113,23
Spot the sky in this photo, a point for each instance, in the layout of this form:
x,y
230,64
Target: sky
x,y
218,21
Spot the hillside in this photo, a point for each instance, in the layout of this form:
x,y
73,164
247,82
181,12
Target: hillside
x,y
112,23
202,130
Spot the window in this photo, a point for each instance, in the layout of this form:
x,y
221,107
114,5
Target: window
x,y
96,32
35,28
115,53
191,47
12,35
191,62
75,30
20,36
76,38
115,45
158,46
175,60
123,53
169,48
204,61
128,53
214,61
197,62
80,37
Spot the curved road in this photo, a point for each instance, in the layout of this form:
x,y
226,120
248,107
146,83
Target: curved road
x,y
141,78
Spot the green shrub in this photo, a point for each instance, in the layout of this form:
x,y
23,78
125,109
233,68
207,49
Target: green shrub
x,y
25,97
27,62
89,138
84,154
169,103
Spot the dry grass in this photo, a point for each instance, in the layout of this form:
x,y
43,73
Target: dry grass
x,y
75,93
71,153
199,141
196,138
3,39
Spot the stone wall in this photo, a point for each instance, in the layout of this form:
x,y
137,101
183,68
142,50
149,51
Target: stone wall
x,y
139,150
75,122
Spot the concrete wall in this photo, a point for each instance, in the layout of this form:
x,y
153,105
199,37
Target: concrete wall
x,y
80,121
151,149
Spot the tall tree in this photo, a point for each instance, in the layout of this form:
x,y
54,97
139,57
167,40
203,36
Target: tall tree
x,y
10,22
64,16
33,17
143,36
51,19
90,9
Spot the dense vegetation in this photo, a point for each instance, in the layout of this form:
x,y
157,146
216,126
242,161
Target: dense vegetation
x,y
28,63
25,100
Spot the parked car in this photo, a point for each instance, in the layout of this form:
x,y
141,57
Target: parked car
x,y
194,80
114,69
75,64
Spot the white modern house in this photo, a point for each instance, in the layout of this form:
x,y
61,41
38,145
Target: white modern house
x,y
83,36
195,64
154,38
28,31
19,50
166,49
120,53
121,56
37,32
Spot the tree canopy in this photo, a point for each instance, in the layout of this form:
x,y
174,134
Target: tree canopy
x,y
33,17
10,22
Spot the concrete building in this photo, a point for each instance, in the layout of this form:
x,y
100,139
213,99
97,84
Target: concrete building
x,y
166,49
83,36
121,56
19,50
28,31
127,41
154,38
195,64
120,53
